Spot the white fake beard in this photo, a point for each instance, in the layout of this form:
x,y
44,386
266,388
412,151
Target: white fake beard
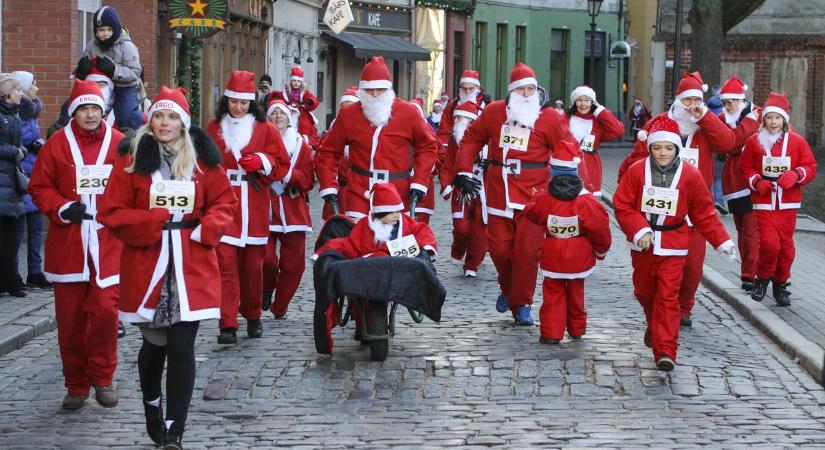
x,y
524,110
382,231
236,133
685,119
108,98
731,119
377,109
469,97
436,116
767,139
460,127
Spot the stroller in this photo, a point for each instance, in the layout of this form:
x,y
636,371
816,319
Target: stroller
x,y
369,290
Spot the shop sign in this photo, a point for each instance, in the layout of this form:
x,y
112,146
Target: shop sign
x,y
389,18
620,49
338,15
198,18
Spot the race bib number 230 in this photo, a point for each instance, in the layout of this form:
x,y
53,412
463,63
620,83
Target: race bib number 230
x,y
92,179
176,196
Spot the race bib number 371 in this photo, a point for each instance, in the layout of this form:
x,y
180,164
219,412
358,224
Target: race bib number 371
x,y
514,138
176,196
659,200
92,179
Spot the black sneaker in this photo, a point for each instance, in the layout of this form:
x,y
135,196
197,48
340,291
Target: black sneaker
x,y
747,285
686,322
781,294
254,329
172,439
38,280
648,338
227,337
760,289
121,330
154,421
266,300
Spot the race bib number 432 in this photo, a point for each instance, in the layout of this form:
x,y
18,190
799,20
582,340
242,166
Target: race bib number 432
x,y
92,179
563,227
404,246
176,196
514,138
773,166
659,200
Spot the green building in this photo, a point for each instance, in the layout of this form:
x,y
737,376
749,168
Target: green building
x,y
553,38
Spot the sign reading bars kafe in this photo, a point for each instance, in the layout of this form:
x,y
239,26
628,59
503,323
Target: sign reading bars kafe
x,y
198,18
338,15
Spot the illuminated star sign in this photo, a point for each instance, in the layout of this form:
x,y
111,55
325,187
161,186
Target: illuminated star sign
x,y
198,7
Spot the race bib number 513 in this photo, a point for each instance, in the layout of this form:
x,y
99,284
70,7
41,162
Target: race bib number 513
x,y
514,138
176,196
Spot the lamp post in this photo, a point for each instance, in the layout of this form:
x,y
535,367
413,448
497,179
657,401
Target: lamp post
x,y
593,7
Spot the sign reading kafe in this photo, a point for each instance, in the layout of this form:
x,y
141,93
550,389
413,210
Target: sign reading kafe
x,y
198,18
392,19
338,15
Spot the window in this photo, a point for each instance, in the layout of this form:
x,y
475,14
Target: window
x,y
502,73
479,61
558,63
85,22
458,58
521,43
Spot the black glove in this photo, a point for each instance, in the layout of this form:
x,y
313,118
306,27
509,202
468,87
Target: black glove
x,y
330,198
308,102
467,185
84,66
35,146
74,213
416,195
106,66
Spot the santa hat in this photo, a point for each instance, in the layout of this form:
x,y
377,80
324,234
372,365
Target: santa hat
x,y
241,85
445,95
470,76
662,128
96,75
566,154
172,100
375,75
521,75
85,93
777,103
691,85
467,109
350,95
278,104
734,88
384,198
582,91
297,74
438,104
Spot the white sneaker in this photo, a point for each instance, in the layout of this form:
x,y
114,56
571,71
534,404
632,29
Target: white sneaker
x,y
457,262
470,273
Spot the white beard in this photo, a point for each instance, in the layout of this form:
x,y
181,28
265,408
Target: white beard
x,y
436,116
768,139
470,97
108,99
382,231
524,110
236,133
731,119
460,127
683,118
377,109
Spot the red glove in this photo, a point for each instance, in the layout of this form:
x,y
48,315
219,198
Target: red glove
x,y
764,187
251,163
788,179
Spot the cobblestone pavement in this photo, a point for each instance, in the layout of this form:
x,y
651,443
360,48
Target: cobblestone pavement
x,y
472,381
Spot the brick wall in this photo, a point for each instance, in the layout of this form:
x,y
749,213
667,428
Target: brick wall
x,y
141,19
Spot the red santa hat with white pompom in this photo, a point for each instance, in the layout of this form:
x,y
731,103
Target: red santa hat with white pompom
x,y
172,100
375,75
566,154
691,85
733,89
663,128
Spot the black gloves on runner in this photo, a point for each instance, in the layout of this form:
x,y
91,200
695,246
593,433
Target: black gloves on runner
x,y
467,185
74,213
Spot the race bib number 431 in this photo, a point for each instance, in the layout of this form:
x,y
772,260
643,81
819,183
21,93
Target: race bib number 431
x,y
563,227
404,246
773,166
92,179
659,200
514,138
176,196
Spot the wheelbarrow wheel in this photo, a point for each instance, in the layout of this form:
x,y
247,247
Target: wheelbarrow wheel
x,y
378,325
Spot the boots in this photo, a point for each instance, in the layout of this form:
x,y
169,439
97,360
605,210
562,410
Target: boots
x,y
106,396
154,421
781,294
174,435
73,402
254,329
760,288
227,337
266,300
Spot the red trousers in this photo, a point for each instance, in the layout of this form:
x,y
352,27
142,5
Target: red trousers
x,y
241,282
747,230
776,245
656,282
284,267
515,248
86,333
692,276
422,217
469,237
563,306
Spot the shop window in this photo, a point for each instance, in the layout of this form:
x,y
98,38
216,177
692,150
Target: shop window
x,y
85,22
558,63
521,43
502,72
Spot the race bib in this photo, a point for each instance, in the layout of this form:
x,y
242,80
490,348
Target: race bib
x,y
586,144
773,166
690,156
92,179
659,200
404,246
514,138
176,196
563,227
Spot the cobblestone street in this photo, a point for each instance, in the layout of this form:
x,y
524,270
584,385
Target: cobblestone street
x,y
472,381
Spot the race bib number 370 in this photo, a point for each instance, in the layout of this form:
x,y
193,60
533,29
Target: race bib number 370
x,y
514,138
176,196
659,200
404,246
92,179
563,227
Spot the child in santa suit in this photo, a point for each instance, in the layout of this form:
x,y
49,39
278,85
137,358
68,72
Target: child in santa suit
x,y
578,233
777,162
284,264
653,202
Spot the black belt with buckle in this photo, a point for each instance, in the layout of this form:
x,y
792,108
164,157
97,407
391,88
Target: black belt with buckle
x,y
375,174
675,226
524,165
181,225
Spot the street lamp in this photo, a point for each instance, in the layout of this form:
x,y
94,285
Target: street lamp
x,y
593,7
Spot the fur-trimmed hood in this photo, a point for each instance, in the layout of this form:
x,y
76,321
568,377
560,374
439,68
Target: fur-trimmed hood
x,y
147,159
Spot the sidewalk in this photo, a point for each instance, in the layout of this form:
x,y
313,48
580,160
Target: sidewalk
x,y
799,328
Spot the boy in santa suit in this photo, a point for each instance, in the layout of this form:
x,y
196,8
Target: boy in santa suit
x,y
82,257
743,118
347,98
254,157
297,94
653,202
426,206
388,143
591,124
469,212
469,90
520,136
777,162
290,222
703,134
578,233
434,119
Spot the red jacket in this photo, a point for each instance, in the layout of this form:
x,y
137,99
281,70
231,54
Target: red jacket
x,y
570,254
734,184
361,240
694,203
290,207
802,160
591,133
306,121
72,247
445,128
507,190
251,224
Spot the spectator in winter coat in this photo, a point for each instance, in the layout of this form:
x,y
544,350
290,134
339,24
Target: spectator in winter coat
x,y
11,198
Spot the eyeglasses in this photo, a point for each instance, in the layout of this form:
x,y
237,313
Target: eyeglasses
x,y
730,101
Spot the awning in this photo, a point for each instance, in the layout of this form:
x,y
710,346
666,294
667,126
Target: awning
x,y
367,45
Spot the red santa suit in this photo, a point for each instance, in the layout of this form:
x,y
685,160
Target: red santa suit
x,y
344,164
305,101
590,130
378,154
777,199
426,206
82,258
577,233
658,271
509,181
284,265
445,128
709,137
243,246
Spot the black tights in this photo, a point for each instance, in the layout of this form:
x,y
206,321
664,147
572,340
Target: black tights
x,y
180,377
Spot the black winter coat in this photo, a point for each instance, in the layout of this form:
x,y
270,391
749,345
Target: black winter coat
x,y
11,202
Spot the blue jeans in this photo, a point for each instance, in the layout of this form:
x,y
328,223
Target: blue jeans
x,y
717,180
33,223
127,108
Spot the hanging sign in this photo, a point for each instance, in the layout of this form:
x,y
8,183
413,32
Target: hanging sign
x,y
198,18
338,15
